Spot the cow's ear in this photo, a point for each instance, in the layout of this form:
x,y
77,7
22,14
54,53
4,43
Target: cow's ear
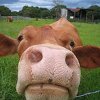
x,y
88,56
7,45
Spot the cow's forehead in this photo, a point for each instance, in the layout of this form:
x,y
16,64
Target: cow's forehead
x,y
32,30
28,29
44,32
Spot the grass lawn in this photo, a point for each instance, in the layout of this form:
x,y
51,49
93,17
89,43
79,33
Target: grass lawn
x,y
90,79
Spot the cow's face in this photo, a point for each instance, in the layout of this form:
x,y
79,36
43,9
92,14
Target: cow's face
x,y
48,68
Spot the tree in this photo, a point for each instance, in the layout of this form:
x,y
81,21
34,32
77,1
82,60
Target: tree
x,y
34,12
45,13
93,12
37,12
56,11
14,13
4,11
26,11
58,4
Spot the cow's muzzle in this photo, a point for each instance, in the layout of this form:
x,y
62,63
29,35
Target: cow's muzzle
x,y
48,71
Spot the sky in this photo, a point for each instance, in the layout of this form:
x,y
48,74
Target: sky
x,y
16,5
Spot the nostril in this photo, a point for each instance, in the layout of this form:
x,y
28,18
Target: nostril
x,y
69,60
35,56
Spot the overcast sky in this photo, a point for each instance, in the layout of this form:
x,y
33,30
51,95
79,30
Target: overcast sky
x,y
16,5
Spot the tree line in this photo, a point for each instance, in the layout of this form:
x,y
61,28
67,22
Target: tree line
x,y
37,12
94,12
33,12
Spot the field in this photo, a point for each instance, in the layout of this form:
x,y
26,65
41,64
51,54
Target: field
x,y
90,79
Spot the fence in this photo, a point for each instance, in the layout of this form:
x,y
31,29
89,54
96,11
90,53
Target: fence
x,y
15,18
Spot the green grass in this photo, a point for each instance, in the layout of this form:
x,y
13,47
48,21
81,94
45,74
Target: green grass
x,y
90,79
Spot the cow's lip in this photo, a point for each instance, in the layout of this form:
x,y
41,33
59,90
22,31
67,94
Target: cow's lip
x,y
49,89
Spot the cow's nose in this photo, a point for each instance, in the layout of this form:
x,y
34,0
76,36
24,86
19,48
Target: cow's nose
x,y
47,64
34,56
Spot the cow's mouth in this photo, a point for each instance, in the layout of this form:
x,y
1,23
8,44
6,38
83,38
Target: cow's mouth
x,y
46,90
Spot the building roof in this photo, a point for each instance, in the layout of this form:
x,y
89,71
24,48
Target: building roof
x,y
74,9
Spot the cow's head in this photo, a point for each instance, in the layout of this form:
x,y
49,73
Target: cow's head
x,y
49,66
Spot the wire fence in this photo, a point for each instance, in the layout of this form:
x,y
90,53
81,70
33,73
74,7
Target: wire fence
x,y
89,93
15,18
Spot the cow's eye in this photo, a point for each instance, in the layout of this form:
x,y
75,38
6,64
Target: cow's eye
x,y
20,37
72,44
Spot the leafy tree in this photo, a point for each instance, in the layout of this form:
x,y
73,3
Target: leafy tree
x,y
26,11
45,13
94,7
57,2
4,11
36,12
94,12
30,11
14,13
56,11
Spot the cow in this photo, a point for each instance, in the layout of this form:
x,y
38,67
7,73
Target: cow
x,y
9,19
50,60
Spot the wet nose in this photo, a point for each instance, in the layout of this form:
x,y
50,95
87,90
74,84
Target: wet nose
x,y
36,56
48,63
45,64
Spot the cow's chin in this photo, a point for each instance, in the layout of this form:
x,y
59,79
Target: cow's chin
x,y
46,92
